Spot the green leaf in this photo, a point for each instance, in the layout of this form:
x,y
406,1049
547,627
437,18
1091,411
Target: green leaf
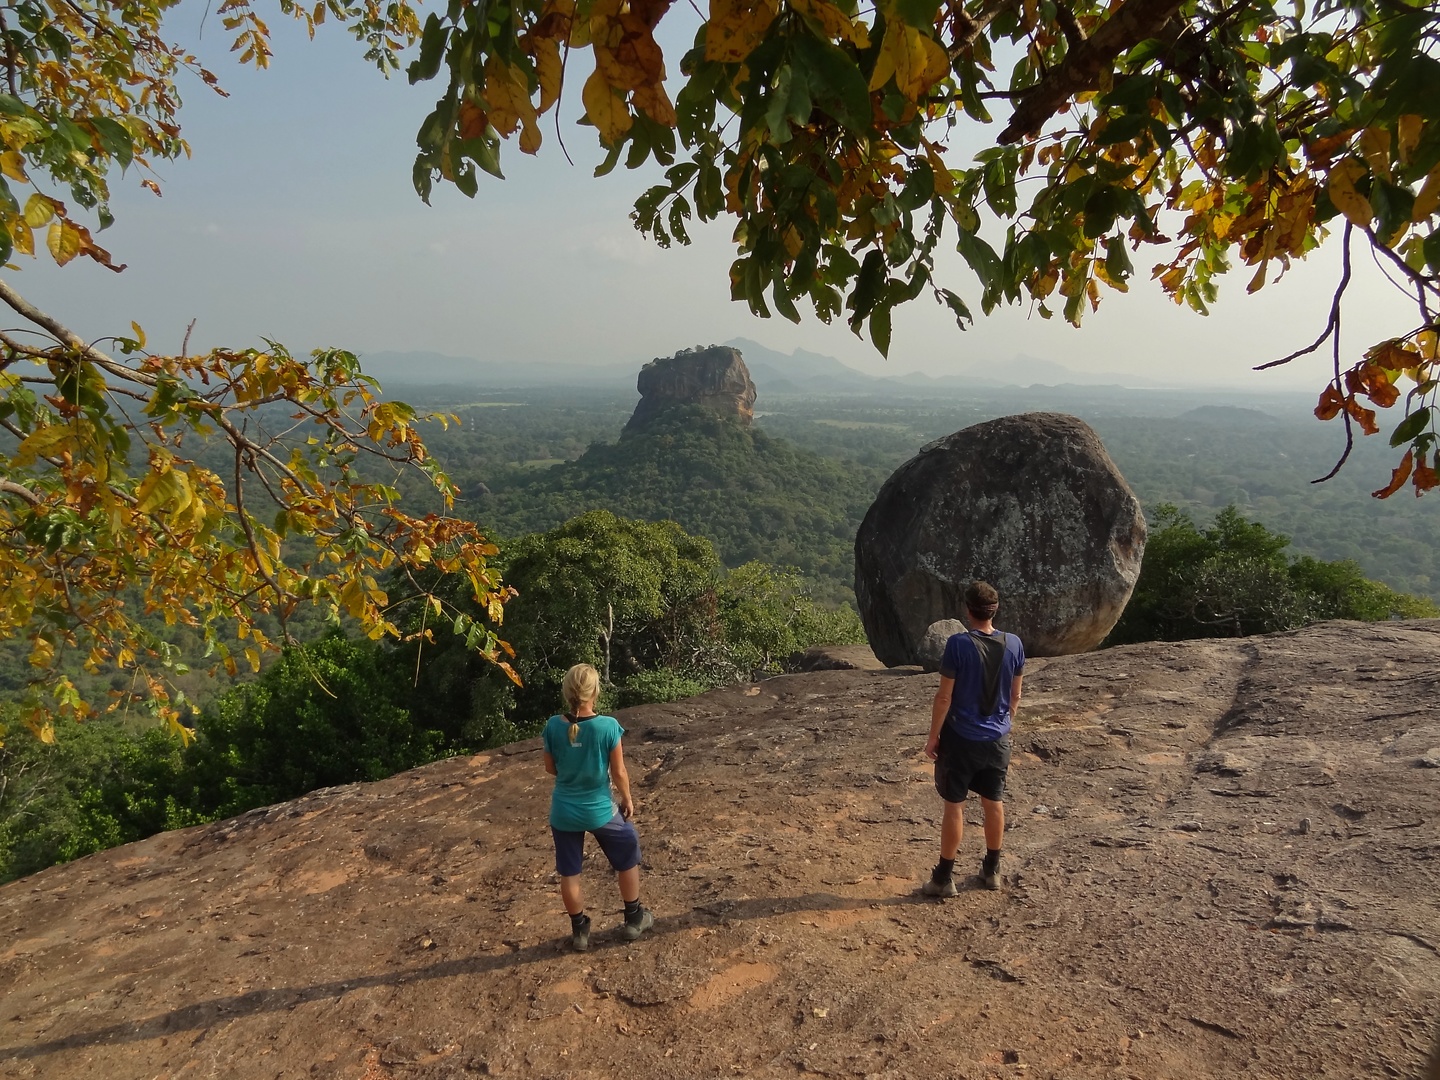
x,y
432,51
1411,426
917,13
867,287
1117,259
115,140
919,187
957,306
1432,250
835,82
880,329
981,257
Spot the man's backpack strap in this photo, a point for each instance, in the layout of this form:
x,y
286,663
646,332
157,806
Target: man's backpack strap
x,y
992,661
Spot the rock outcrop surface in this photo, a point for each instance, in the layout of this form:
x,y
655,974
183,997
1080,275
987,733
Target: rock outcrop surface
x,y
1157,919
715,378
1031,504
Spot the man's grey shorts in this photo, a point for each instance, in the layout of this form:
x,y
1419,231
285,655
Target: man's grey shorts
x,y
965,765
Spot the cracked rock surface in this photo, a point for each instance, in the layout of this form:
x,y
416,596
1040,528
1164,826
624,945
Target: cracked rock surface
x,y
1223,861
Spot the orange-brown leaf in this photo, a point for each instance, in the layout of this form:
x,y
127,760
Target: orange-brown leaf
x,y
1398,477
473,120
1331,402
1424,477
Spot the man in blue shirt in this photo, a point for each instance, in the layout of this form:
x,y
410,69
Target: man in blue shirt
x,y
970,733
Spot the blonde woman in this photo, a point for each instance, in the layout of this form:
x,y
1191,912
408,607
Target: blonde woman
x,y
582,752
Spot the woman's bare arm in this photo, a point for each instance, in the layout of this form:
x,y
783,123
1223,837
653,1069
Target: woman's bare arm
x,y
621,780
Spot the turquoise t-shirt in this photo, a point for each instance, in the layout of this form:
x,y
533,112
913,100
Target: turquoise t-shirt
x,y
581,800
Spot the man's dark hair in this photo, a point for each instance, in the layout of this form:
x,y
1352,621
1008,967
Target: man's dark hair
x,y
981,600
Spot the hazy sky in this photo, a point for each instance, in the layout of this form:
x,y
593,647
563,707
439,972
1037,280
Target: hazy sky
x,y
296,220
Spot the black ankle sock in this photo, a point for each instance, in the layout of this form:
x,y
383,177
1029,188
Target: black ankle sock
x,y
992,860
578,921
633,909
943,870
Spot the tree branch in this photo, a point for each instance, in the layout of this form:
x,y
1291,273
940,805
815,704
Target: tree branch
x,y
9,487
68,338
1132,23
970,27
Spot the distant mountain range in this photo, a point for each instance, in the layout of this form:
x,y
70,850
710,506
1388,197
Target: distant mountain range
x,y
437,369
799,372
813,374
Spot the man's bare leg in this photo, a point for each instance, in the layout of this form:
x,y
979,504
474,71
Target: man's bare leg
x,y
994,823
994,839
952,828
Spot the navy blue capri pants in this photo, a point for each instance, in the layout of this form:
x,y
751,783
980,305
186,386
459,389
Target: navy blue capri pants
x,y
618,840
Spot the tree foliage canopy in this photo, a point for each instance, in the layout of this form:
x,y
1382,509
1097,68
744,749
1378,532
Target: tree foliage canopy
x,y
1183,134
106,510
1236,578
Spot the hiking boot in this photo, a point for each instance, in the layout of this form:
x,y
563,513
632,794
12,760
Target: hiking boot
x,y
990,877
580,936
938,888
632,930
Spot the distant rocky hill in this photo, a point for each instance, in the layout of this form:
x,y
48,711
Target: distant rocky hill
x,y
1223,861
713,378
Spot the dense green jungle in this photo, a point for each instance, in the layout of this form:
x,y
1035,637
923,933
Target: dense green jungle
x,y
694,552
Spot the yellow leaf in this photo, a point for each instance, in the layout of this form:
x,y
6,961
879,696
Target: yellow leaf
x,y
1408,129
736,27
1343,194
606,109
12,164
944,182
833,21
1103,275
1429,198
911,59
509,97
937,62
253,655
1258,281
42,442
22,237
1375,146
884,63
65,241
139,334
42,653
38,210
551,71
44,732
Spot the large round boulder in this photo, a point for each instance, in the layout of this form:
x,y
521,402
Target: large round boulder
x,y
1031,504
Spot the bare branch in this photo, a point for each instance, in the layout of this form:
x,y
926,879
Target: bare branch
x,y
9,487
1068,26
68,338
1332,324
